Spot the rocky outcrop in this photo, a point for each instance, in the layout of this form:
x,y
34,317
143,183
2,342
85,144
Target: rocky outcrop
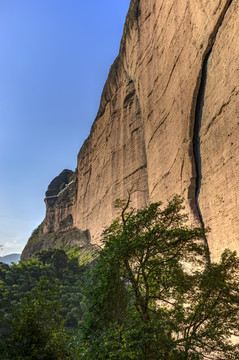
x,y
62,239
167,123
60,201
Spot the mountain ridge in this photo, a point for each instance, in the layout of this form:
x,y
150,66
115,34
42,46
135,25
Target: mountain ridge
x,y
10,258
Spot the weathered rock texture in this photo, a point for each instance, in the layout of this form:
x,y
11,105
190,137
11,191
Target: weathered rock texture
x,y
219,136
153,134
61,239
59,200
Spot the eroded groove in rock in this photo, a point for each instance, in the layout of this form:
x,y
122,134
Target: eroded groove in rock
x,y
198,117
196,141
144,132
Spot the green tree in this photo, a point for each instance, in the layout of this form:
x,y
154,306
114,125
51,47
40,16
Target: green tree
x,y
53,264
34,329
152,294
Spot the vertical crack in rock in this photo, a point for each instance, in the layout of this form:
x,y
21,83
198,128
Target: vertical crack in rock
x,y
198,117
196,141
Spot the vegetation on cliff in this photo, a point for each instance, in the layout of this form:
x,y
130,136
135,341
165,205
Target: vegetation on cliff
x,y
150,294
63,239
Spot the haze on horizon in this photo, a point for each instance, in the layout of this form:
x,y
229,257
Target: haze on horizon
x,y
54,61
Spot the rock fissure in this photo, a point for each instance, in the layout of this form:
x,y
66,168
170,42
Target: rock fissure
x,y
167,123
198,117
196,140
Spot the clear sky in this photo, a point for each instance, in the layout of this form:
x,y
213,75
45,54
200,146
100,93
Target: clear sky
x,y
54,60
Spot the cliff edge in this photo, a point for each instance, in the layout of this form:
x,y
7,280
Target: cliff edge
x,y
167,123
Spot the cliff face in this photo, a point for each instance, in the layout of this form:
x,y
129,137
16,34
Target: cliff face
x,y
167,123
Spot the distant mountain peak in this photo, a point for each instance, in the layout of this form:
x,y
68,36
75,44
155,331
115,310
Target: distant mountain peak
x,y
10,258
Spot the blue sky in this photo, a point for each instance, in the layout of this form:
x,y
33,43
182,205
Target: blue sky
x,y
54,60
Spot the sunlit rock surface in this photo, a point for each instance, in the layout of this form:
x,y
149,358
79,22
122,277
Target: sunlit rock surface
x,y
167,123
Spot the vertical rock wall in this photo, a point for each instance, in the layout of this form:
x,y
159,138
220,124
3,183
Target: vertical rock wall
x,y
161,68
219,136
167,121
113,160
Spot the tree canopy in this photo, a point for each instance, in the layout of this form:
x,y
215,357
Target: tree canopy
x,y
40,306
35,329
153,295
52,264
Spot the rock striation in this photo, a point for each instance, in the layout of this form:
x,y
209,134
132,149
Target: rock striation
x,y
168,123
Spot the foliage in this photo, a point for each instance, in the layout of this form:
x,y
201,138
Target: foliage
x,y
85,255
17,280
152,294
37,231
34,329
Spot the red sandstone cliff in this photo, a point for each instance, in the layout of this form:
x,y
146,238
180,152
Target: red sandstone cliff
x,y
168,123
